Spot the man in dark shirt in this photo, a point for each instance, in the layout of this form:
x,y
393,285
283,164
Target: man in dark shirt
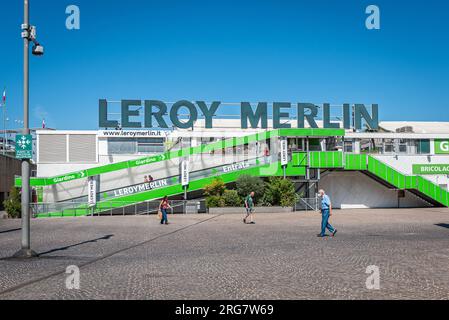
x,y
249,206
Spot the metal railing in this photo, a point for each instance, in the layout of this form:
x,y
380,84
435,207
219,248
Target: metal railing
x,y
307,204
115,208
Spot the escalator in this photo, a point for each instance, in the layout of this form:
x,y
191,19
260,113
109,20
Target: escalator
x,y
146,192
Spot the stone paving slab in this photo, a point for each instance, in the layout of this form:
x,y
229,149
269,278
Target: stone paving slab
x,y
219,257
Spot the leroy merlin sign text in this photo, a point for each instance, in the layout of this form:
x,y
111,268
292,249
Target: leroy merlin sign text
x,y
154,111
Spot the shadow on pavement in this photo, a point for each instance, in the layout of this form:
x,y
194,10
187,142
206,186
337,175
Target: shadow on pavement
x,y
11,230
106,237
443,225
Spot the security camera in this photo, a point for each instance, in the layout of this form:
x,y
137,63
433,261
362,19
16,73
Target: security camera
x,y
38,50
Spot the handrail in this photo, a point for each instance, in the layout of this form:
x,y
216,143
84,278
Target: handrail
x,y
144,207
416,184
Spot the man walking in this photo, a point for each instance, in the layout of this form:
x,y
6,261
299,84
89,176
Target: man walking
x,y
249,205
326,212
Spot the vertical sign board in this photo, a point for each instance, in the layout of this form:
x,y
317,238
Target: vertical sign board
x,y
92,191
185,173
24,146
284,152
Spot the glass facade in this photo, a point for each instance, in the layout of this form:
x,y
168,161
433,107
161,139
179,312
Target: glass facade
x,y
131,146
388,146
423,146
135,145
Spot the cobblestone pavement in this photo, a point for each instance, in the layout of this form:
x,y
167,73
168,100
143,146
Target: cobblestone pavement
x,y
218,257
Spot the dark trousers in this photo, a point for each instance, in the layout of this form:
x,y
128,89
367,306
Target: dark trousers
x,y
325,222
164,216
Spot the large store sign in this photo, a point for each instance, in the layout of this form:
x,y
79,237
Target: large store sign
x,y
427,169
154,111
441,146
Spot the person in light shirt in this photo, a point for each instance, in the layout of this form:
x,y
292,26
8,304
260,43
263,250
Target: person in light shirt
x,y
326,213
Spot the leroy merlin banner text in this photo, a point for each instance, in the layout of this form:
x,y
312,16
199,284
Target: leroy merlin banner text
x,y
154,112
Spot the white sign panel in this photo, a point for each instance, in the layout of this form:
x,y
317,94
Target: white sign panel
x,y
133,133
92,192
147,186
284,152
185,173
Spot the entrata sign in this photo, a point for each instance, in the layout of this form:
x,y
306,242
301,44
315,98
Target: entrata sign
x,y
425,169
155,110
441,146
236,166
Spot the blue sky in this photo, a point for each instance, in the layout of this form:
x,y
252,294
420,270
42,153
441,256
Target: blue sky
x,y
231,51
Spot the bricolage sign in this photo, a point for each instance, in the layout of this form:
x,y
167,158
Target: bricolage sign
x,y
154,112
428,169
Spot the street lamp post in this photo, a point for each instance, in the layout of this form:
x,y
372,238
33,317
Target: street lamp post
x,y
5,138
28,34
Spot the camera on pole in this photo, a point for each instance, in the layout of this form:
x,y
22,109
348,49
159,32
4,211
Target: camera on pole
x,y
29,32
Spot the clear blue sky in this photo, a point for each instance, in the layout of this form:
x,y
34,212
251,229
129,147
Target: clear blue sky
x,y
309,51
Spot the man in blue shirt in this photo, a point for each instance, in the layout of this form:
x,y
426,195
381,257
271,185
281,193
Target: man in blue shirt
x,y
326,212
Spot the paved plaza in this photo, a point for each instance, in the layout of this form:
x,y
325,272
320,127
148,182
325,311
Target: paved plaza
x,y
218,257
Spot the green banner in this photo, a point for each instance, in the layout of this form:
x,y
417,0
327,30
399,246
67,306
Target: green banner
x,y
441,146
424,169
67,177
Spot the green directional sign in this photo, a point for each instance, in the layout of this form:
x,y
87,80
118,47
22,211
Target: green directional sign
x,y
24,146
441,146
425,169
67,177
147,160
